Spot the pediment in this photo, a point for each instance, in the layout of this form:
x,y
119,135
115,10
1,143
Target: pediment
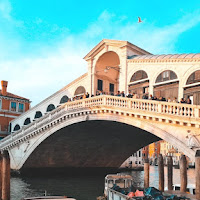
x,y
116,43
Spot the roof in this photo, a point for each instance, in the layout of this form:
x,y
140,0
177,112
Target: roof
x,y
165,56
118,43
10,95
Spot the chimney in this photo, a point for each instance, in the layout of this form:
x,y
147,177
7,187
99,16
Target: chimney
x,y
4,87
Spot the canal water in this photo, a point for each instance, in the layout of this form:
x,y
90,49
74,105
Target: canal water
x,y
81,187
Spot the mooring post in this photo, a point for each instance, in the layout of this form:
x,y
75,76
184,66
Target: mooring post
x,y
6,176
183,173
146,173
1,158
197,173
161,172
170,172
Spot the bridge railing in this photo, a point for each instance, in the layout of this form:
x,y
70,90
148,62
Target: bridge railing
x,y
166,108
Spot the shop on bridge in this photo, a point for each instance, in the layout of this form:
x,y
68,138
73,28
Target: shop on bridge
x,y
192,88
166,85
139,83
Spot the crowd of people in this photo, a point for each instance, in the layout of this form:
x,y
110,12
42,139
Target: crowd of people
x,y
132,95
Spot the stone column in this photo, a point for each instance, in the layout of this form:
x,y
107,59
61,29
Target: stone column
x,y
161,172
6,176
146,173
170,172
197,173
183,173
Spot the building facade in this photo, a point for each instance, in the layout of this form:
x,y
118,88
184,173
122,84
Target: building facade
x,y
11,106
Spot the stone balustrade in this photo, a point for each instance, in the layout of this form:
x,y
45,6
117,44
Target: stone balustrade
x,y
184,114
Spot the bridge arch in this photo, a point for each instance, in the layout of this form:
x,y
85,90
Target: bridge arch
x,y
192,88
161,132
50,107
38,114
106,72
64,99
139,83
166,85
17,127
80,90
27,121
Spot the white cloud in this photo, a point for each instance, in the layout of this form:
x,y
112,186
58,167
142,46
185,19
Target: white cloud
x,y
5,9
52,67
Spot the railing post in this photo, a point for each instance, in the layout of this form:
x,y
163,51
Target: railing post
x,y
159,108
83,103
196,112
104,100
129,103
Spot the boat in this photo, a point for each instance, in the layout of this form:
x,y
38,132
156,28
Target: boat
x,y
49,198
120,186
190,188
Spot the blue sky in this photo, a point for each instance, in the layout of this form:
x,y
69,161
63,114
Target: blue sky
x,y
42,42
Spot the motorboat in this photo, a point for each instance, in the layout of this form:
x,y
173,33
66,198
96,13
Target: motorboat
x,y
190,188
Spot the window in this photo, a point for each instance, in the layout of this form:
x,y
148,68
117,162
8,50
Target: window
x,y
139,75
100,85
166,76
21,107
111,87
13,106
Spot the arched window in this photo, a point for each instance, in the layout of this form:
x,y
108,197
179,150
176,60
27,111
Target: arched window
x,y
50,108
166,76
139,75
38,114
80,90
64,99
194,78
27,121
17,127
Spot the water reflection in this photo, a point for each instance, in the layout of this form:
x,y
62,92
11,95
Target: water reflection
x,y
80,187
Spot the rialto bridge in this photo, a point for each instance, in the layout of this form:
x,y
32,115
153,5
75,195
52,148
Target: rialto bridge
x,y
102,131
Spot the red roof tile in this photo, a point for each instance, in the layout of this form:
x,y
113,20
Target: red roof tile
x,y
14,96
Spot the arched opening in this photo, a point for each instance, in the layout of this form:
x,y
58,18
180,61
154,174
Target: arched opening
x,y
64,99
79,91
17,127
106,77
27,121
93,150
166,85
38,114
192,88
50,108
139,83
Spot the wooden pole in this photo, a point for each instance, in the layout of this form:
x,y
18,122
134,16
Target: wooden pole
x,y
146,173
161,172
183,173
6,176
1,159
170,172
197,173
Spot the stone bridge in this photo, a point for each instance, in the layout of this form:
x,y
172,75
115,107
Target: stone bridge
x,y
102,131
